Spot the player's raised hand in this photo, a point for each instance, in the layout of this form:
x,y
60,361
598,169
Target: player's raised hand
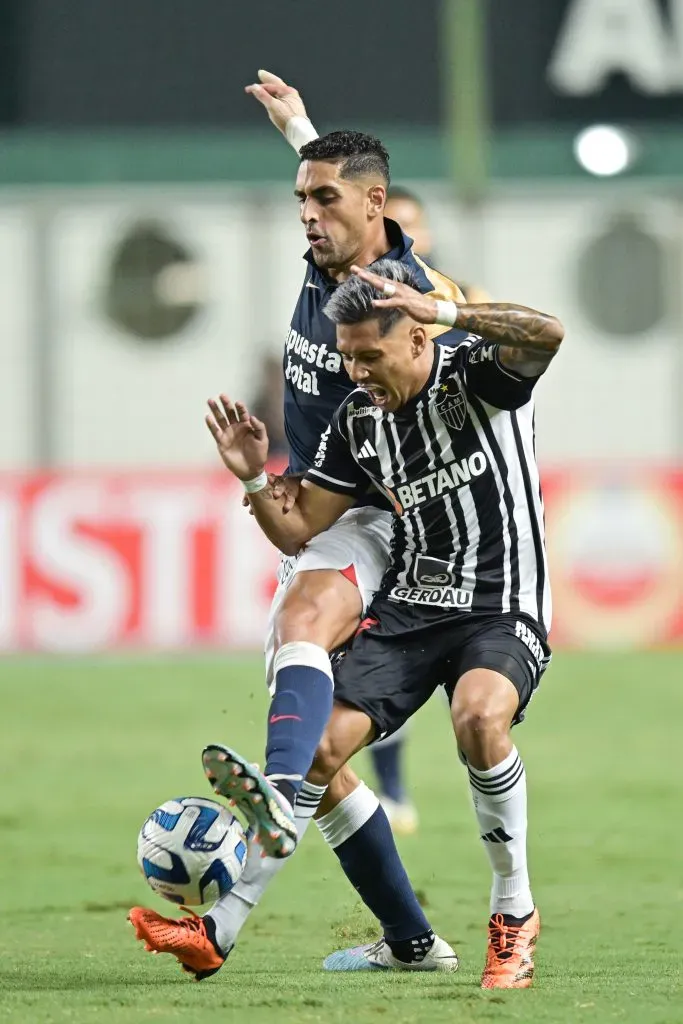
x,y
396,295
281,101
241,439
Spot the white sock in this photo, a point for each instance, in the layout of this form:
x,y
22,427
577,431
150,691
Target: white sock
x,y
232,910
348,816
499,796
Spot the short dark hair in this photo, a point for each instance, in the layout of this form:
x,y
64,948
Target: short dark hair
x,y
399,192
352,301
357,153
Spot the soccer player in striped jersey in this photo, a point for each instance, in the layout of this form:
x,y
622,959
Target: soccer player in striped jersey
x,y
389,755
447,433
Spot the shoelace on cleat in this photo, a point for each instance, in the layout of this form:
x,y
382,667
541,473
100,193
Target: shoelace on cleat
x,y
193,921
503,937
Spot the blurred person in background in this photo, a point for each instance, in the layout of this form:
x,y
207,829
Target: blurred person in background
x,y
407,209
388,756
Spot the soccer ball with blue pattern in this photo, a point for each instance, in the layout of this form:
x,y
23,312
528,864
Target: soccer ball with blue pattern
x,y
192,850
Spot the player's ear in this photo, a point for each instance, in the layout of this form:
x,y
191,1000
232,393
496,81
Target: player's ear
x,y
377,197
418,337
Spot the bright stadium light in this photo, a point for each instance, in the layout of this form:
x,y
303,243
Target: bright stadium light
x,y
604,150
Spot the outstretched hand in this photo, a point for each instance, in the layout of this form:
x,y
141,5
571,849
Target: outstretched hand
x,y
281,101
396,295
241,439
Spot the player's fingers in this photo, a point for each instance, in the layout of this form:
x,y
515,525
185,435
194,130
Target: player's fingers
x,y
382,284
259,93
276,86
245,502
395,303
270,77
217,414
289,502
242,412
376,280
213,427
229,409
276,485
258,428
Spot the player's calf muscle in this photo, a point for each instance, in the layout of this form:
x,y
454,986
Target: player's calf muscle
x,y
322,607
348,731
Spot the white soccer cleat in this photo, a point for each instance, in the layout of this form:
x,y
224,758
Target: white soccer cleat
x,y
378,957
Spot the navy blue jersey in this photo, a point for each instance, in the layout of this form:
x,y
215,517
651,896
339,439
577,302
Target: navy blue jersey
x,y
315,379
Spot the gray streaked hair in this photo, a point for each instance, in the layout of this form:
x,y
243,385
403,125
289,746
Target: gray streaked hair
x,y
352,301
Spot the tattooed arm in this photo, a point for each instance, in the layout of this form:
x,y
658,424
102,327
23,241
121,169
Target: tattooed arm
x,y
527,339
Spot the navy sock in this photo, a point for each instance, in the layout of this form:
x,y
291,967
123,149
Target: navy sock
x,y
387,760
298,713
371,863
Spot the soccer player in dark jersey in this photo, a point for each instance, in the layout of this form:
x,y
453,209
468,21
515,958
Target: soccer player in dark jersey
x,y
447,433
323,590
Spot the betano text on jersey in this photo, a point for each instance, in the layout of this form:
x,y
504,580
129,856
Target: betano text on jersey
x,y
458,464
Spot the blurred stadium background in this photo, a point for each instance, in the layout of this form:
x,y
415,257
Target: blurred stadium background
x,y
150,256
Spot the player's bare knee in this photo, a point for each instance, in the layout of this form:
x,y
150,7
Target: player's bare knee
x,y
298,620
322,608
478,722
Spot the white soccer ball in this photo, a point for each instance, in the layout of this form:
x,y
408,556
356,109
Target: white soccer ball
x,y
192,850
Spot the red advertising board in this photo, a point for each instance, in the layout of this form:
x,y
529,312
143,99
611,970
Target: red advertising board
x,y
101,561
97,561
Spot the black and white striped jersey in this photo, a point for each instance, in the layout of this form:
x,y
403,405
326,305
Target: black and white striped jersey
x,y
458,464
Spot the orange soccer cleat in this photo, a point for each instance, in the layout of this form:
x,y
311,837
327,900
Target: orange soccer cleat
x,y
510,956
192,940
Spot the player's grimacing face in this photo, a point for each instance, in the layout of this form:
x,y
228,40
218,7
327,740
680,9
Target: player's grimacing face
x,y
389,368
335,212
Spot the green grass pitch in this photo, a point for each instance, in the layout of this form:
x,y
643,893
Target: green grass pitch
x,y
89,748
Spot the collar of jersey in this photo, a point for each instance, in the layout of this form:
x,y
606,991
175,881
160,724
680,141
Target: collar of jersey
x,y
400,243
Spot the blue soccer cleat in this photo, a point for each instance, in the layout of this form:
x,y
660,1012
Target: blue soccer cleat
x,y
269,814
378,957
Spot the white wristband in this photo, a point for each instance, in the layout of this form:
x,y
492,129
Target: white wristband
x,y
446,313
257,484
299,131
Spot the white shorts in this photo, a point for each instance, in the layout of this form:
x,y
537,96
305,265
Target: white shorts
x,y
361,538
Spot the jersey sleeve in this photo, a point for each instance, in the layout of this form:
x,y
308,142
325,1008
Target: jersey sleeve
x,y
334,467
487,378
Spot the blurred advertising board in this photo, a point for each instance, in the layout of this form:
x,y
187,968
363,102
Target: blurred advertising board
x,y
146,561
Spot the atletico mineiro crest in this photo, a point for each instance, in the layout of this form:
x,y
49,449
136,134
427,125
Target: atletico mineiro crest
x,y
450,403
